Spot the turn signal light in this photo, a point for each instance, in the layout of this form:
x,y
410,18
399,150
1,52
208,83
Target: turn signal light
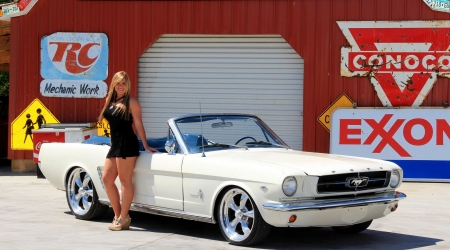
x,y
292,218
394,208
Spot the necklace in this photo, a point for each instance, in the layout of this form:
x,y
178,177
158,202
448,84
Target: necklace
x,y
114,103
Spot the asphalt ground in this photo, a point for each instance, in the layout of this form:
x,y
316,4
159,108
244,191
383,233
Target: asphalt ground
x,y
34,215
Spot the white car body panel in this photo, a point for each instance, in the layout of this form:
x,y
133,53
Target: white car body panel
x,y
152,174
59,158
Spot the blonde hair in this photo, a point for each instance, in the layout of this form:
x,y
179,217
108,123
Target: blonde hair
x,y
124,109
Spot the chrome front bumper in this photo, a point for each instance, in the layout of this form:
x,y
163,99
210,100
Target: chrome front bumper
x,y
335,203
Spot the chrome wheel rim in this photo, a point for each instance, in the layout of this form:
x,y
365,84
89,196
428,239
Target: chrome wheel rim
x,y
80,191
236,214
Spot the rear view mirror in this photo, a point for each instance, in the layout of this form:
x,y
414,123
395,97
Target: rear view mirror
x,y
221,125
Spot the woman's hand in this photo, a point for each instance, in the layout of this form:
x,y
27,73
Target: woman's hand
x,y
150,149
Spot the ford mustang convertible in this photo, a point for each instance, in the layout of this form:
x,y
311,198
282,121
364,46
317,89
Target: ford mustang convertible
x,y
233,170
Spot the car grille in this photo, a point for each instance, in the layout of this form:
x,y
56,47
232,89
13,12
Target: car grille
x,y
339,182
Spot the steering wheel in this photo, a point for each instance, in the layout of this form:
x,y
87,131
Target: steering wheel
x,y
245,137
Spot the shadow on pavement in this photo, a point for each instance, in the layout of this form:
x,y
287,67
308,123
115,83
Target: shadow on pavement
x,y
279,238
5,170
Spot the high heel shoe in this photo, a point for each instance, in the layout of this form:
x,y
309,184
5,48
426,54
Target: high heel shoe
x,y
113,222
120,224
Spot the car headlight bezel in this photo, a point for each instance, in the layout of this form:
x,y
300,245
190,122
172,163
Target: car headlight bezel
x,y
395,179
289,186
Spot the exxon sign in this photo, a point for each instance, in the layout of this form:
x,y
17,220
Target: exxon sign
x,y
401,59
417,139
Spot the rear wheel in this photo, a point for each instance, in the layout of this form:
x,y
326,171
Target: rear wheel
x,y
82,197
239,219
353,229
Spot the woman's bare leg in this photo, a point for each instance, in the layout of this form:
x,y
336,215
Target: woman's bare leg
x,y
125,168
109,176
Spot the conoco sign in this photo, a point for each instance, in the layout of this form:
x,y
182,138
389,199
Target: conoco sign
x,y
401,59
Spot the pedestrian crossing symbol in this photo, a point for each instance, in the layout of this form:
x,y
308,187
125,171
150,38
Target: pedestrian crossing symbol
x,y
32,118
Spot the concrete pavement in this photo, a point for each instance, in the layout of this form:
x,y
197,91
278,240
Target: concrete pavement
x,y
34,215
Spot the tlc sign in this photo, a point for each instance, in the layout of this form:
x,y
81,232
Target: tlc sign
x,y
393,134
74,56
401,59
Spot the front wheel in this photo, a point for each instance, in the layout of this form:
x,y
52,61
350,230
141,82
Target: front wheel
x,y
239,219
353,229
82,197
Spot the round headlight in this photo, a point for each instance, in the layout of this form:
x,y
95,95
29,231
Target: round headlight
x,y
289,185
395,179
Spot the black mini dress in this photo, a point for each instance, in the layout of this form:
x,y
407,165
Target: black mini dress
x,y
124,142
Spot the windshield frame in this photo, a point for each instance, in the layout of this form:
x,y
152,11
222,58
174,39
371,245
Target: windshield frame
x,y
204,117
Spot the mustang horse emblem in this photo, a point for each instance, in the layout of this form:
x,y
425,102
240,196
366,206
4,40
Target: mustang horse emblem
x,y
356,182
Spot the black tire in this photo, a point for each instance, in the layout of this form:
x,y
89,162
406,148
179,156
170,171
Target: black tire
x,y
82,197
249,227
353,229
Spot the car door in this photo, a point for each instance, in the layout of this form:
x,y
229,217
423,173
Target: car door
x,y
158,180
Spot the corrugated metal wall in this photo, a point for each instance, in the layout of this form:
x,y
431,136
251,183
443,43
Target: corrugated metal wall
x,y
309,26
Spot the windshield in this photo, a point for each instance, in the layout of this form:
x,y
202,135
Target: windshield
x,y
226,132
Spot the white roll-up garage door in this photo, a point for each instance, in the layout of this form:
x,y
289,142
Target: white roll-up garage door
x,y
250,74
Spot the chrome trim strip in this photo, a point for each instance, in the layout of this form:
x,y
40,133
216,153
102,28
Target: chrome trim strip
x,y
178,136
324,204
165,212
100,175
210,114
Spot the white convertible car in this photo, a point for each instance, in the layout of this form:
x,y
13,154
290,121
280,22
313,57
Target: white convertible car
x,y
233,170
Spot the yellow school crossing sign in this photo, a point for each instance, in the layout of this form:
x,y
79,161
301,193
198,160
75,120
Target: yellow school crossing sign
x,y
33,117
342,101
103,128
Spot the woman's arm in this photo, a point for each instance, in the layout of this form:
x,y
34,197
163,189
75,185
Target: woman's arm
x,y
136,112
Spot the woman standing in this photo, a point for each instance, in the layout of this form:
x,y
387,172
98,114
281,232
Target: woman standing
x,y
122,112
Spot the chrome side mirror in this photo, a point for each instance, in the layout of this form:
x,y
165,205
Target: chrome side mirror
x,y
170,147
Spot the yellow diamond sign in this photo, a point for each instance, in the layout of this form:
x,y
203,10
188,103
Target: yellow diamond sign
x,y
32,118
342,101
103,128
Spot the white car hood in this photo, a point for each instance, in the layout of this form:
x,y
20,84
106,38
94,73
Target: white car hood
x,y
315,164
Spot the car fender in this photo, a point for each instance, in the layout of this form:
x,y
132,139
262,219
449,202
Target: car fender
x,y
255,190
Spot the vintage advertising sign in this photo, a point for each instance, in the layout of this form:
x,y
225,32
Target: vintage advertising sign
x,y
79,89
74,56
16,8
325,117
401,59
74,60
10,9
23,4
439,5
30,119
411,137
